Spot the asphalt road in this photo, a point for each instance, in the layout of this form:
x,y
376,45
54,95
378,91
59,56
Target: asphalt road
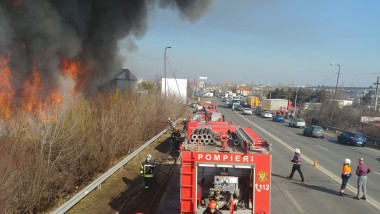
x,y
319,192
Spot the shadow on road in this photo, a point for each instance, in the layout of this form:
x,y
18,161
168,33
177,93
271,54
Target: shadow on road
x,y
322,189
280,176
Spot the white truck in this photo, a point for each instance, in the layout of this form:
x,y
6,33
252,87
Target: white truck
x,y
273,104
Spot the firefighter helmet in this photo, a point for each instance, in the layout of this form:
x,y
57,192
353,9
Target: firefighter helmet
x,y
148,156
297,150
212,204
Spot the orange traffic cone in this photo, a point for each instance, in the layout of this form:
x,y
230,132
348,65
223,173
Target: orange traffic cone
x,y
315,163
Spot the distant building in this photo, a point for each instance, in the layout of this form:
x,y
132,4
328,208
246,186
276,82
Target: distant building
x,y
344,103
122,80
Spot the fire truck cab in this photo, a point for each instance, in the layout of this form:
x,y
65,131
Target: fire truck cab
x,y
233,167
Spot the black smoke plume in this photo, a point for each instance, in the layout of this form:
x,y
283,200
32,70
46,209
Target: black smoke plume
x,y
41,32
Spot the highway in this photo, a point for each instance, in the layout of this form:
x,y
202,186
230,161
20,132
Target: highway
x,y
319,193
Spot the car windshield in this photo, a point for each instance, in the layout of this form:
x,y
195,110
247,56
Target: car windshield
x,y
300,120
247,109
358,134
318,129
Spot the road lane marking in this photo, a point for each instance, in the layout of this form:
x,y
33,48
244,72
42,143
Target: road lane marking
x,y
377,173
370,200
297,206
322,147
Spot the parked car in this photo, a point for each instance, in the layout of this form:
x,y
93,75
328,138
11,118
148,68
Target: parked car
x,y
314,131
278,118
258,113
352,138
247,111
297,123
266,114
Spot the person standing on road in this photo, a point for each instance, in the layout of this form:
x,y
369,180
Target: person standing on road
x,y
346,174
362,171
147,171
296,164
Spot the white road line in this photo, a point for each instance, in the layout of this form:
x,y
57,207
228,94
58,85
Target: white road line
x,y
322,147
377,173
297,206
370,200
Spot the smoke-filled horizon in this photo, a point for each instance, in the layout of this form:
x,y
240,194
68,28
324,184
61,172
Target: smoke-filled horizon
x,y
40,40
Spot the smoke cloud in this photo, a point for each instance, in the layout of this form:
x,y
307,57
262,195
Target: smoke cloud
x,y
43,34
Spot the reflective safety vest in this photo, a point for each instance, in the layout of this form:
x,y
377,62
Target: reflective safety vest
x,y
297,159
147,169
346,169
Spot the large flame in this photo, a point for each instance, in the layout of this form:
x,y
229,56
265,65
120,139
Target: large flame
x,y
34,97
6,91
33,93
74,69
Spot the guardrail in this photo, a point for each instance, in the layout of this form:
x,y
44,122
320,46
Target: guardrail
x,y
373,140
98,182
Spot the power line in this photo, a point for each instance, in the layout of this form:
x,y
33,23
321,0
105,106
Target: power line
x,y
173,75
133,51
361,73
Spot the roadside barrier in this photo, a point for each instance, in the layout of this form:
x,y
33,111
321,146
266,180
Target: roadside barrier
x,y
98,182
373,140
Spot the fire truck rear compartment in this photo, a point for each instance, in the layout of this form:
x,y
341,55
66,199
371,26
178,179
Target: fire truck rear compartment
x,y
225,181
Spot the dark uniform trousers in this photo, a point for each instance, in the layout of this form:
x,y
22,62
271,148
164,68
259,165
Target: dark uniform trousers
x,y
147,170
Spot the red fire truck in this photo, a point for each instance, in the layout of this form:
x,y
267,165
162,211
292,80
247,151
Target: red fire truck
x,y
226,163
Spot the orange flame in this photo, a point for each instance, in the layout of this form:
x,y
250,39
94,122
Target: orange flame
x,y
32,94
73,68
6,91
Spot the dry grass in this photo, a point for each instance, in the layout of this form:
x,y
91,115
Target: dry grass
x,y
42,161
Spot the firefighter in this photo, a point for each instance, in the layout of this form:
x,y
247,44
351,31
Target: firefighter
x,y
211,208
147,171
171,124
185,124
177,139
296,164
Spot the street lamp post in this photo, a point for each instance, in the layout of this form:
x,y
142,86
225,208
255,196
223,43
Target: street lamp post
x,y
336,88
165,68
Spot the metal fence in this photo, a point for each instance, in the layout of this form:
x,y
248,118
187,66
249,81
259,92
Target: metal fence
x,y
98,182
370,139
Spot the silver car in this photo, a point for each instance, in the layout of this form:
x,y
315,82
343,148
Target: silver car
x,y
247,111
297,123
266,114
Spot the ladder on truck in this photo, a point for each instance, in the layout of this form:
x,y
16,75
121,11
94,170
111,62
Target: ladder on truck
x,y
188,183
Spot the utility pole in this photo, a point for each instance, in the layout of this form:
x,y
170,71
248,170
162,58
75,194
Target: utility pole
x,y
165,69
377,92
295,104
336,88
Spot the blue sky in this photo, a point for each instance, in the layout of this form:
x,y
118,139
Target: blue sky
x,y
269,42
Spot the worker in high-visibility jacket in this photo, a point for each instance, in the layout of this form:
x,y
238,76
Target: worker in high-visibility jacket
x,y
346,174
147,171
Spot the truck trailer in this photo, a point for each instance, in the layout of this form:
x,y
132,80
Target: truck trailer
x,y
273,105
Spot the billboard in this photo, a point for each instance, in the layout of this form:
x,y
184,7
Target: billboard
x,y
176,87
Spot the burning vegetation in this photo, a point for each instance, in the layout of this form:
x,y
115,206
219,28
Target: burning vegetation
x,y
52,51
